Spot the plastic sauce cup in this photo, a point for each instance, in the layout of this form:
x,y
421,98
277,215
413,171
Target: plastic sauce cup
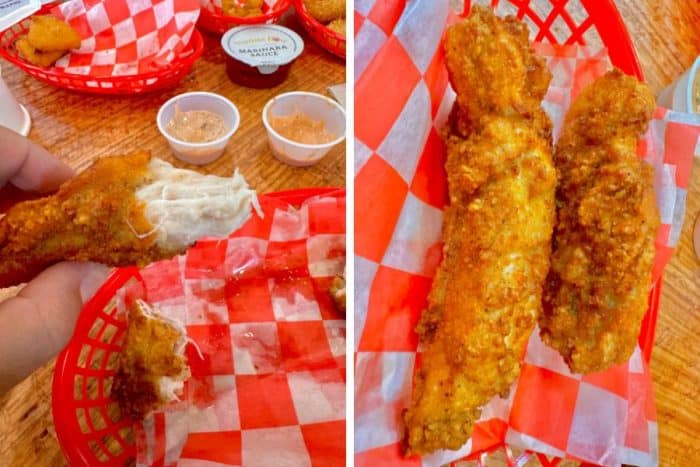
x,y
680,95
199,153
316,107
260,56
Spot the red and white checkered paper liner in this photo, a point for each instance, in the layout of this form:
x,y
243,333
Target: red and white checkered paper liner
x,y
126,37
403,98
215,5
270,388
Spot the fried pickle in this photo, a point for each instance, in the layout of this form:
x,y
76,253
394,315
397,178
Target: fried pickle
x,y
50,34
325,11
152,366
486,295
597,290
36,57
122,210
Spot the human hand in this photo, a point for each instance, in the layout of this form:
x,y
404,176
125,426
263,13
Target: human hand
x,y
38,322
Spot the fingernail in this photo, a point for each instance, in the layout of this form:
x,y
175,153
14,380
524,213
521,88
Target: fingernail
x,y
93,280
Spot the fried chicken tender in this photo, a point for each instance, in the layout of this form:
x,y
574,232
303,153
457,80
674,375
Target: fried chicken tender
x,y
122,210
603,250
152,365
50,34
37,57
325,11
486,295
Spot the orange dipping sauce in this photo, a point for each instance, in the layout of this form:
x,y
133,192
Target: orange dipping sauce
x,y
301,128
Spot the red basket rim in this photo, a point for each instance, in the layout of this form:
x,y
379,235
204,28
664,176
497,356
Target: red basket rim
x,y
65,422
309,21
273,14
185,59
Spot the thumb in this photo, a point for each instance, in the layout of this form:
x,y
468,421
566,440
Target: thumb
x,y
37,323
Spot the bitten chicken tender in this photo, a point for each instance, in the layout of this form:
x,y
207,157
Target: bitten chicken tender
x,y
325,11
122,210
486,295
152,365
597,289
36,57
49,34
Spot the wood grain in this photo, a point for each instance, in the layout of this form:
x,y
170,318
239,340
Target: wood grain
x,y
666,35
78,128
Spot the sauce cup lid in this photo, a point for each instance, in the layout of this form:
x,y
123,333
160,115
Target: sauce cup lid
x,y
265,47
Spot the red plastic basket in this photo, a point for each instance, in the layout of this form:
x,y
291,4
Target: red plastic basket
x,y
218,23
326,38
89,425
143,82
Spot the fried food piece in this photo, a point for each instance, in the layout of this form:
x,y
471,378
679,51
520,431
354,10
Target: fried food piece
x,y
36,57
122,210
152,365
325,11
338,25
337,291
597,290
486,295
49,34
242,9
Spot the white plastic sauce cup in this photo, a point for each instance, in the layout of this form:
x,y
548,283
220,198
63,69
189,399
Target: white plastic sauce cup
x,y
316,107
12,115
679,95
199,153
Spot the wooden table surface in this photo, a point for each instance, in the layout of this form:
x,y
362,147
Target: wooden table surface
x,y
78,128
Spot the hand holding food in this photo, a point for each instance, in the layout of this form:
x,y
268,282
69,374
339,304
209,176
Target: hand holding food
x,y
597,290
122,210
38,322
48,39
485,297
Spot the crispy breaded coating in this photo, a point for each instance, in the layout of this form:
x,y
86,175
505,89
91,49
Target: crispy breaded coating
x,y
94,217
598,286
486,295
36,57
494,76
325,11
338,25
152,365
50,34
242,9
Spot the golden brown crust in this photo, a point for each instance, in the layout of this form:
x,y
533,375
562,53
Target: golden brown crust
x,y
36,57
325,11
50,34
597,288
148,356
486,295
93,217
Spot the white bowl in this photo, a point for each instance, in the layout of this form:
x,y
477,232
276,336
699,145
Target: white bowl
x,y
13,115
199,153
679,95
315,106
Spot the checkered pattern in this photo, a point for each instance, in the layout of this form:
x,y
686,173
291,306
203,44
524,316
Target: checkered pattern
x,y
403,100
126,37
269,388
